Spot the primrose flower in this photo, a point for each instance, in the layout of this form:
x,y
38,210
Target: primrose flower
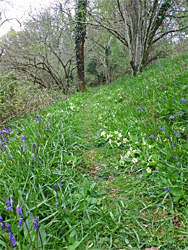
x,y
134,160
108,136
148,170
103,133
125,140
116,132
118,143
110,141
150,146
120,135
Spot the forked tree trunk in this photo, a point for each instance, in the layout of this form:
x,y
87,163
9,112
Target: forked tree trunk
x,y
142,19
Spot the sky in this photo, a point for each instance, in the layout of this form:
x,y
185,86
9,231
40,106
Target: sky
x,y
18,9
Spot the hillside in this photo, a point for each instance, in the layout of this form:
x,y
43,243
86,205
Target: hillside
x,y
102,170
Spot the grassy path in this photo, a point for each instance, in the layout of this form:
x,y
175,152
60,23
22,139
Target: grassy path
x,y
138,220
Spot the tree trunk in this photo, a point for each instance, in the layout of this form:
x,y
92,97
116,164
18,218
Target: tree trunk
x,y
80,33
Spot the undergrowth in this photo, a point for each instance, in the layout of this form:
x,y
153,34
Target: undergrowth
x,y
101,170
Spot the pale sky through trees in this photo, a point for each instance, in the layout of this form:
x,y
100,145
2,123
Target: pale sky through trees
x,y
18,9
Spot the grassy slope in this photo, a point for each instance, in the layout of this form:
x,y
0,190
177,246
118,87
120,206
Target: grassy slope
x,y
116,147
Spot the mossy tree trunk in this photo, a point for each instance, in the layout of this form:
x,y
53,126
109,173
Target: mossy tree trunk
x,y
80,33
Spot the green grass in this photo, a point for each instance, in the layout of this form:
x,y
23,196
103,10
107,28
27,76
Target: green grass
x,y
112,153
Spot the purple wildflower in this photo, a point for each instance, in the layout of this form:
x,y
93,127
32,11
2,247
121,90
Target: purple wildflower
x,y
2,222
23,138
178,164
173,145
9,203
37,119
1,133
70,130
23,160
34,145
149,195
140,175
182,100
56,204
141,109
172,117
20,223
163,100
36,151
35,224
167,188
175,132
163,128
8,228
10,157
34,158
63,180
21,148
64,209
159,152
19,211
56,186
168,244
13,240
7,131
151,136
173,157
169,138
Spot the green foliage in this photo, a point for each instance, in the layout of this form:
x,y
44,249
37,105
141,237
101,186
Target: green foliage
x,y
20,97
103,170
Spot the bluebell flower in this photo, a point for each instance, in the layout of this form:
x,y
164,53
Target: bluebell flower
x,y
182,100
35,224
151,136
20,222
13,240
19,211
2,222
172,117
23,138
23,160
37,119
167,188
163,128
56,186
8,228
